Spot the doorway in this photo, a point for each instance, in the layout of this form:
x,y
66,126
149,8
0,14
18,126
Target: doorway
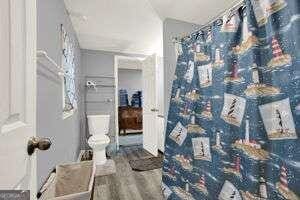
x,y
139,90
130,107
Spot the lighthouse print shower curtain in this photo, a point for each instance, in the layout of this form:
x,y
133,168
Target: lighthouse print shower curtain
x,y
234,118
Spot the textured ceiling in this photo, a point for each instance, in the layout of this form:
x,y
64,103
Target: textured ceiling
x,y
194,11
134,26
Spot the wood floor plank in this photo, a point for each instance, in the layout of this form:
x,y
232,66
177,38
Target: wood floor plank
x,y
127,184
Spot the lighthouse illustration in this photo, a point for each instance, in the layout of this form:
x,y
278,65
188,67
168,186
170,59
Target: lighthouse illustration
x,y
263,189
183,193
233,109
218,146
248,39
264,8
171,173
201,147
234,77
257,89
230,23
193,127
219,62
178,134
236,170
184,161
201,185
166,190
278,120
189,72
229,191
185,111
205,75
199,55
206,113
282,185
263,194
250,147
193,95
209,36
177,98
279,58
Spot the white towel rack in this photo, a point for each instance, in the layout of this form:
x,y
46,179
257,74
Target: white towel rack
x,y
49,63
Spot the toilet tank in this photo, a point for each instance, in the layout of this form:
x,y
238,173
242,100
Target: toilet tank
x,y
98,124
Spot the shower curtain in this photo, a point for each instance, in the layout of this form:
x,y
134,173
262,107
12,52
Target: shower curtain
x,y
234,118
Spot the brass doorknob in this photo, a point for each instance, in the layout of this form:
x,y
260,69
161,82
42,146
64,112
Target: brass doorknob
x,y
40,143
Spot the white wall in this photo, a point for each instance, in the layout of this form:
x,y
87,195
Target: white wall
x,y
131,80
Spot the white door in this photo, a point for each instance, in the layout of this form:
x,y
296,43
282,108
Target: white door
x,y
18,94
150,135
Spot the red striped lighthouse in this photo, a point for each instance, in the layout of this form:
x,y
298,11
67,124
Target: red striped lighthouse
x,y
283,178
237,164
202,181
172,171
208,107
277,51
234,71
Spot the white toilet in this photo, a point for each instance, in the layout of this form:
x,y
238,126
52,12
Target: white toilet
x,y
98,129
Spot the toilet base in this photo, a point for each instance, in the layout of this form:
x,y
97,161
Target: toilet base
x,y
99,157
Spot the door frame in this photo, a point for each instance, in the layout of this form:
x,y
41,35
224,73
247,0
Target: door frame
x,y
117,58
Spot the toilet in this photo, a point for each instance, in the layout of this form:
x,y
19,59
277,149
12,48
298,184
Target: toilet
x,y
98,129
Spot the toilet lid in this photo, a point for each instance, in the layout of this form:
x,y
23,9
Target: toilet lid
x,y
100,139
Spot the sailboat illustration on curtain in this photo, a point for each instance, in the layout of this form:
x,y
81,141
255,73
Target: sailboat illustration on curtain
x,y
260,89
278,120
264,8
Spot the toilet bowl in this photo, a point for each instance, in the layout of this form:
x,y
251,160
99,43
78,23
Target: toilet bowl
x,y
98,129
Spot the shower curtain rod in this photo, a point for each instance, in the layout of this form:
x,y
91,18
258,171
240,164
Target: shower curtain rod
x,y
233,7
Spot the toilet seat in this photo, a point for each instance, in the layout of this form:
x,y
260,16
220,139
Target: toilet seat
x,y
98,140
